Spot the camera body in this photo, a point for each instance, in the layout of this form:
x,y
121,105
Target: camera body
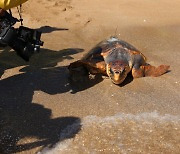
x,y
23,40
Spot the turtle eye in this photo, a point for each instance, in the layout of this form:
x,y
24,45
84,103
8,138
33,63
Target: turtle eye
x,y
111,71
122,70
126,69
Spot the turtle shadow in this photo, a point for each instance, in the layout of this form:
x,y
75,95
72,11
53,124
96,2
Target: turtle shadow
x,y
128,80
168,71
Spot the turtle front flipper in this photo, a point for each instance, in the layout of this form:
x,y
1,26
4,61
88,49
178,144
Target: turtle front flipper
x,y
149,70
137,73
77,70
155,71
94,67
82,68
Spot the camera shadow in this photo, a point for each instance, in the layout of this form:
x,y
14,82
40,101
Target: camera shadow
x,y
49,29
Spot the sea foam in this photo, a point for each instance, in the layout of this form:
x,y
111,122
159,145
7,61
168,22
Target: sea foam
x,y
122,133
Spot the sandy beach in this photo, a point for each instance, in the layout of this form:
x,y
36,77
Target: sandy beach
x,y
41,111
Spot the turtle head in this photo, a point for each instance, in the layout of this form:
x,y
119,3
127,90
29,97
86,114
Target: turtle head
x,y
117,71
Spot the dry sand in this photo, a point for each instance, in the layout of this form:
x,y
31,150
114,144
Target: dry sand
x,y
40,109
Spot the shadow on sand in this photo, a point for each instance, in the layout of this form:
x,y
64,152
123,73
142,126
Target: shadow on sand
x,y
49,29
22,118
31,120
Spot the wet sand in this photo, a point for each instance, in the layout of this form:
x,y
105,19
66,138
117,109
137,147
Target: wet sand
x,y
40,110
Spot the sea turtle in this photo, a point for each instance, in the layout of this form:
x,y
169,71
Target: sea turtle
x,y
115,58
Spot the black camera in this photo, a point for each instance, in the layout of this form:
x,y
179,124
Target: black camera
x,y
23,40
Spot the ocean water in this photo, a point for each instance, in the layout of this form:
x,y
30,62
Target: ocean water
x,y
122,133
